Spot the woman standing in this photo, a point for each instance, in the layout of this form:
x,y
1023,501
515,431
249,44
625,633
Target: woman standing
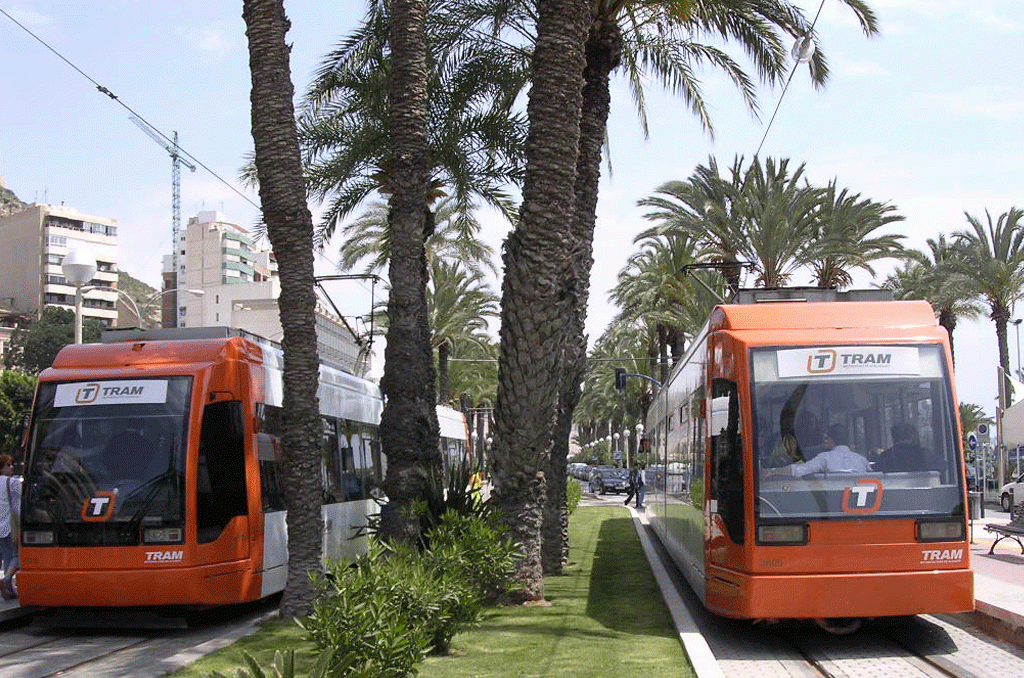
x,y
10,510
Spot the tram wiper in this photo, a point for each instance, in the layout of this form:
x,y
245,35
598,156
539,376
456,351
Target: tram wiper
x,y
155,485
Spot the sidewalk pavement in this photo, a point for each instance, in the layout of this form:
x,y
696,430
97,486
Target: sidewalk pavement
x,y
998,591
998,580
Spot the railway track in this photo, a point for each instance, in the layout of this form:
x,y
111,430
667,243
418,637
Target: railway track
x,y
41,651
923,646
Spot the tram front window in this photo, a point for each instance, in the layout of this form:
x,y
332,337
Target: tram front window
x,y
106,462
855,432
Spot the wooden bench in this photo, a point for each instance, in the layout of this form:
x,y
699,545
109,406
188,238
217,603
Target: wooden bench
x,y
1013,530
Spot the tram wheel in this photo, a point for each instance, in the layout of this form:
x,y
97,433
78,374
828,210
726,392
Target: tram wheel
x,y
840,626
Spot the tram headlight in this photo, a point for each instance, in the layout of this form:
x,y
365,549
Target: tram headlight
x,y
782,534
162,535
36,537
944,530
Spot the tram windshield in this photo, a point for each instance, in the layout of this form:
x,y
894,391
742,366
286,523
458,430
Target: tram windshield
x,y
106,460
855,431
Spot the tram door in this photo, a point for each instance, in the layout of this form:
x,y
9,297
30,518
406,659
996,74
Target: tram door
x,y
221,496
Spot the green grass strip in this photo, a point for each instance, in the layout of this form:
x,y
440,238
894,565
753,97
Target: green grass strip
x,y
605,619
606,616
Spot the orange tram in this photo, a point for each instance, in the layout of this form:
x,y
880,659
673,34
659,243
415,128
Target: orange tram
x,y
153,471
807,462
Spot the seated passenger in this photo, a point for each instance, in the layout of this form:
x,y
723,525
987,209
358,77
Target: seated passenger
x,y
787,451
837,457
905,453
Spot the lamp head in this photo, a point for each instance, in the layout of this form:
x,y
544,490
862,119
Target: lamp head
x,y
79,266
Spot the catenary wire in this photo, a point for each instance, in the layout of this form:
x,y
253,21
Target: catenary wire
x,y
128,108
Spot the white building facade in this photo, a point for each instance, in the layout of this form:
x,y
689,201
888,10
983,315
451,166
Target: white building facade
x,y
225,279
35,242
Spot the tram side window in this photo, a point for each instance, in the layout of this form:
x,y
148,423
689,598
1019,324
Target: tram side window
x,y
727,456
221,491
268,443
330,464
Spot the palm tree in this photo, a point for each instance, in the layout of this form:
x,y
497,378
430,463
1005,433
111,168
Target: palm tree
x,y
766,217
534,302
290,228
704,209
655,40
933,276
459,303
475,139
408,426
846,224
455,238
993,257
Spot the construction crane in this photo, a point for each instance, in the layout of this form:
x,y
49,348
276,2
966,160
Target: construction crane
x,y
176,162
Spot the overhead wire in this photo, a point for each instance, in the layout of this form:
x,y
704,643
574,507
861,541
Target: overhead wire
x,y
778,105
116,99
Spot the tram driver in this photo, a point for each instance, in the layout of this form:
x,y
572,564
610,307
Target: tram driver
x,y
837,457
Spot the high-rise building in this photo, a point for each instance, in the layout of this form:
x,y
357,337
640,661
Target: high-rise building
x,y
225,278
35,242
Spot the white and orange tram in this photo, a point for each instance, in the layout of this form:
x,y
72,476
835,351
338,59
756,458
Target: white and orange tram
x,y
152,471
760,526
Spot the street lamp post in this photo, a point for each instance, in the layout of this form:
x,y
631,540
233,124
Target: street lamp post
x,y
78,267
148,300
1016,323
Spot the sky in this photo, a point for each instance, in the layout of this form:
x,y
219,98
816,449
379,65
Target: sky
x,y
926,116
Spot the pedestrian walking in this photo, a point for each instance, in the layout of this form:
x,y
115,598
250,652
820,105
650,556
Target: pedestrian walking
x,y
641,485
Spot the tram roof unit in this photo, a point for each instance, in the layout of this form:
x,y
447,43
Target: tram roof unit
x,y
801,308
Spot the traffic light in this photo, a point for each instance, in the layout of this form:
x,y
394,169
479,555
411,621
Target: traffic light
x,y
620,378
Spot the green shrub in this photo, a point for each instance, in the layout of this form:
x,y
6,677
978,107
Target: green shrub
x,y
573,494
444,492
284,667
363,610
477,550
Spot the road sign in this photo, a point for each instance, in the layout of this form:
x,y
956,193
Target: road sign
x,y
972,441
982,431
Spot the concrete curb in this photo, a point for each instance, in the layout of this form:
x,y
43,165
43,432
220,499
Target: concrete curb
x,y
703,660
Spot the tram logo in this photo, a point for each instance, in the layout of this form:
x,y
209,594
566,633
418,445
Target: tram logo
x,y
164,556
822,362
942,555
87,393
855,497
98,507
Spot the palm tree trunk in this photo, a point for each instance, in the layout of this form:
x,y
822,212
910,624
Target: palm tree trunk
x,y
947,320
534,306
408,429
602,50
290,228
443,389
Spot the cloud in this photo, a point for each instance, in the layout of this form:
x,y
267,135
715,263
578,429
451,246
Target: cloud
x,y
992,103
210,40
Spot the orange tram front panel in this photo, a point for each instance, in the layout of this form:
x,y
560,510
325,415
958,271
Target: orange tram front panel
x,y
187,575
142,483
807,462
845,570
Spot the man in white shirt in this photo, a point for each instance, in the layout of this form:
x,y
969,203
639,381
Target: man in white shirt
x,y
837,457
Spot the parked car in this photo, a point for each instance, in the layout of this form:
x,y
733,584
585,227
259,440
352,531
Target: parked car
x,y
1012,493
606,479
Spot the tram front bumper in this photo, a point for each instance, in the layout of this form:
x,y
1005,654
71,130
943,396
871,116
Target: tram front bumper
x,y
822,596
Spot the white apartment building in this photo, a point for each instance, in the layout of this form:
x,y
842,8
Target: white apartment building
x,y
224,279
34,243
